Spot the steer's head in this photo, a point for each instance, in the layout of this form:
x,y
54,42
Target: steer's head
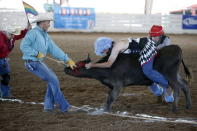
x,y
80,66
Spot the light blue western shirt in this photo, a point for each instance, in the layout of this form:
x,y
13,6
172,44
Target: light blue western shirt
x,y
37,40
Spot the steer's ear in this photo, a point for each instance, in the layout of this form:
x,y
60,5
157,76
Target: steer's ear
x,y
88,60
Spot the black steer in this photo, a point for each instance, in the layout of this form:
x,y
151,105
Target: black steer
x,y
127,71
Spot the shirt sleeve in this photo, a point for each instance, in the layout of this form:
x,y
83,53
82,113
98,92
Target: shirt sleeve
x,y
166,42
26,44
2,41
56,52
22,34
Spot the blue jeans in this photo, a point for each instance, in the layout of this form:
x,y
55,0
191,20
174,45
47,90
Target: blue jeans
x,y
154,75
4,72
53,94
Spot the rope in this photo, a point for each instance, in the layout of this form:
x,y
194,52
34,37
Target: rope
x,y
59,62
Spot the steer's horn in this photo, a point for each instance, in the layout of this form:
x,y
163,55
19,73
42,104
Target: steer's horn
x,y
88,58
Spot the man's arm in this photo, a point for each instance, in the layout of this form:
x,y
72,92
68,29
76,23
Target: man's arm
x,y
56,52
110,61
2,41
114,54
22,34
166,42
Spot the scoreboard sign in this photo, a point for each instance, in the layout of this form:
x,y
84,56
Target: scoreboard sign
x,y
74,18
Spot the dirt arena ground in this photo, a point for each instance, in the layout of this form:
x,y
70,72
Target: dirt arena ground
x,y
135,99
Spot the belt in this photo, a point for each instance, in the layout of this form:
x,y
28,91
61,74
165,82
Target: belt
x,y
28,61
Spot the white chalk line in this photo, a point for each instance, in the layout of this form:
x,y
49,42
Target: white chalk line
x,y
89,109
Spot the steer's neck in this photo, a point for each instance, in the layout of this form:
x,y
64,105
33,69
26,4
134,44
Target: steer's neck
x,y
95,73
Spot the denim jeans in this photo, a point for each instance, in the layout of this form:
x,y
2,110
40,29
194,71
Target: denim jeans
x,y
4,71
53,95
154,75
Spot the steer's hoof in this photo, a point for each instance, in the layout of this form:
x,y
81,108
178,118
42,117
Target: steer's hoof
x,y
188,107
174,109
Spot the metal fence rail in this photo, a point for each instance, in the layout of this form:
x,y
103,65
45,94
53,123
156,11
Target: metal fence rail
x,y
132,23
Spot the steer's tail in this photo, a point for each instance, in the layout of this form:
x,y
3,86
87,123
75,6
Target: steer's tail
x,y
187,72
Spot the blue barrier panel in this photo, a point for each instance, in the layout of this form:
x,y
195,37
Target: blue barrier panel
x,y
189,22
74,18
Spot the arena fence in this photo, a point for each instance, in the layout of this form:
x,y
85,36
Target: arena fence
x,y
131,23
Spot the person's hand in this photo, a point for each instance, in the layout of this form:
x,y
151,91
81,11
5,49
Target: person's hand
x,y
88,66
71,64
40,55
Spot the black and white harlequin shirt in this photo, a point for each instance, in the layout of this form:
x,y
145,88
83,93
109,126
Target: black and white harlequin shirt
x,y
145,47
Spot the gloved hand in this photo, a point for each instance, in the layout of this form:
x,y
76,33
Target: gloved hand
x,y
40,55
71,64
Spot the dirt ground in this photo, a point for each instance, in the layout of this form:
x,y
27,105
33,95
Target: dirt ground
x,y
27,87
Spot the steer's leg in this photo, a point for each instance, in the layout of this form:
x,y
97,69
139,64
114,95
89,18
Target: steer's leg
x,y
176,96
186,91
172,78
113,94
159,99
175,84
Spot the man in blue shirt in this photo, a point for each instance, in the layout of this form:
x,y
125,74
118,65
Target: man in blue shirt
x,y
35,46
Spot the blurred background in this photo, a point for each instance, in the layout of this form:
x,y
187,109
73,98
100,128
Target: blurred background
x,y
176,16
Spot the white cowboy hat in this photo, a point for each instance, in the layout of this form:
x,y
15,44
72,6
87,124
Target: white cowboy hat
x,y
42,17
14,31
